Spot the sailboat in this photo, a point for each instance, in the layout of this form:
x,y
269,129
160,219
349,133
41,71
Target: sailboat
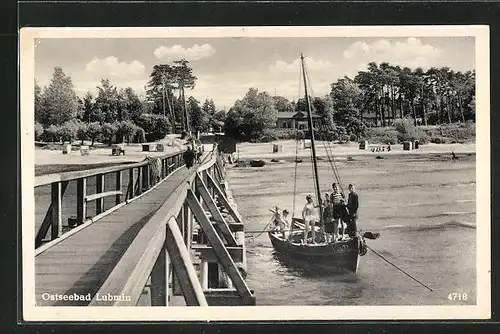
x,y
344,253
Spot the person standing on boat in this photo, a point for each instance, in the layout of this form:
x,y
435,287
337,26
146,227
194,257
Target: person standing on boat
x,y
337,200
309,215
285,224
352,207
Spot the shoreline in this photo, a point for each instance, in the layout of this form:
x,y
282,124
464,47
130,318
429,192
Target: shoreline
x,y
289,151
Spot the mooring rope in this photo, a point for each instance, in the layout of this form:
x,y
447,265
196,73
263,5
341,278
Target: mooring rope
x,y
395,266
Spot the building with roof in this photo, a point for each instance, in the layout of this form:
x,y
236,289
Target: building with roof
x,y
295,120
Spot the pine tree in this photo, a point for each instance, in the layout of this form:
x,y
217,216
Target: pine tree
x,y
59,102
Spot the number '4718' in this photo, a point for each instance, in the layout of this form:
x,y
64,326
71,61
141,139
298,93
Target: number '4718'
x,y
457,296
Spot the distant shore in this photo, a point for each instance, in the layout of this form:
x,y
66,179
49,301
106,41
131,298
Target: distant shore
x,y
289,150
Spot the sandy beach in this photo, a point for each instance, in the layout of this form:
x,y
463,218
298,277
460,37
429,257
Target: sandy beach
x,y
133,153
289,150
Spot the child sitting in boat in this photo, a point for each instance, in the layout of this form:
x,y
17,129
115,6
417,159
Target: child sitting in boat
x,y
280,221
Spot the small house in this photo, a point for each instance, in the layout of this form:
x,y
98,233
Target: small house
x,y
295,120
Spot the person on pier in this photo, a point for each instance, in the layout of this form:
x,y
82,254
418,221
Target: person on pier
x,y
189,157
309,216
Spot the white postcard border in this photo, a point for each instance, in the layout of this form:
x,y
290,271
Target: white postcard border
x,y
482,310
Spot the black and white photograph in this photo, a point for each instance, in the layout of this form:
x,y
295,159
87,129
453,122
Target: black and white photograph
x,y
255,173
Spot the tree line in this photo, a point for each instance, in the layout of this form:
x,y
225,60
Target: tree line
x,y
119,114
378,97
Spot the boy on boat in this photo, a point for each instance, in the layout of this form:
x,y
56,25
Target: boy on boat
x,y
337,200
309,216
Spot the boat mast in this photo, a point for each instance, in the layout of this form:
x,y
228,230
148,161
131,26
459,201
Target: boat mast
x,y
310,123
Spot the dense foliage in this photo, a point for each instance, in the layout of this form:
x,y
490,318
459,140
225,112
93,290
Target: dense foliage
x,y
251,116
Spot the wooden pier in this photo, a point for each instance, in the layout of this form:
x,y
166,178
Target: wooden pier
x,y
171,238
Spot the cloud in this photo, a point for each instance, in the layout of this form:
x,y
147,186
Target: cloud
x,y
410,52
112,67
175,52
311,65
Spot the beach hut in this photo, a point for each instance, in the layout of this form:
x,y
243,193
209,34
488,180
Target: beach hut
x,y
277,148
407,146
363,145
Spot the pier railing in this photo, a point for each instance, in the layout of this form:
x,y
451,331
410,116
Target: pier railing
x,y
192,247
126,183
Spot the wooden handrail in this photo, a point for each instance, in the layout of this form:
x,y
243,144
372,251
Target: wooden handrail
x,y
46,179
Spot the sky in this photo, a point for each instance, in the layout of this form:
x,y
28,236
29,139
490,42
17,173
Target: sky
x,y
226,67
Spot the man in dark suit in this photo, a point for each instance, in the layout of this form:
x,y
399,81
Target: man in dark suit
x,y
352,207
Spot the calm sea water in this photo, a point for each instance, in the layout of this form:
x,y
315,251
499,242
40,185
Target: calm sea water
x,y
424,209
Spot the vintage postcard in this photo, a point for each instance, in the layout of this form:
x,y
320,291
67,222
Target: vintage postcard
x,y
255,173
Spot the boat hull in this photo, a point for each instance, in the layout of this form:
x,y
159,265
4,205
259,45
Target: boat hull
x,y
344,254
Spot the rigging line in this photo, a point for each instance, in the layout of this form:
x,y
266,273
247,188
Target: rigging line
x,y
311,130
335,168
264,229
333,164
327,148
296,148
338,175
296,165
330,158
392,264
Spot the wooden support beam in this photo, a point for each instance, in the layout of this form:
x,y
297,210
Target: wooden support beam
x,y
226,297
236,227
81,204
118,187
47,220
206,252
224,200
214,211
159,280
182,265
222,254
99,188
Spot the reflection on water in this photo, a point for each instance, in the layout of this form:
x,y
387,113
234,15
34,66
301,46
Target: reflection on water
x,y
426,221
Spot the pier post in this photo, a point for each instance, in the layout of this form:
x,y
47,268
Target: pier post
x,y
56,228
213,275
118,187
99,188
204,274
81,208
131,183
139,180
187,226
